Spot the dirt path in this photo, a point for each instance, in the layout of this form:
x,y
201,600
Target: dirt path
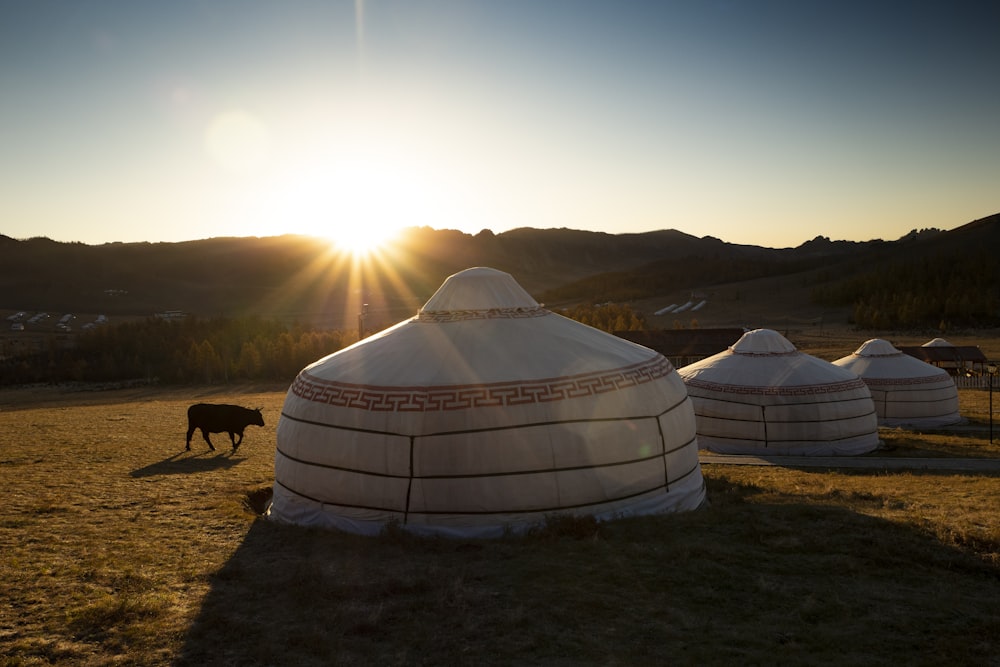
x,y
876,463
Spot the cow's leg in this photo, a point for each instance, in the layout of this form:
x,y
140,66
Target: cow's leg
x,y
236,443
204,433
191,430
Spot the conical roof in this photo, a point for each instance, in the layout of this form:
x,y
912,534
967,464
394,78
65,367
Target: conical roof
x,y
479,288
763,360
479,327
879,359
762,342
483,413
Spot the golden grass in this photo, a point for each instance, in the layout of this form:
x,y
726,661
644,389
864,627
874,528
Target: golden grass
x,y
110,530
118,547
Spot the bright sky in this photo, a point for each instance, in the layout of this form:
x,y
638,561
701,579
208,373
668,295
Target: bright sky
x,y
763,122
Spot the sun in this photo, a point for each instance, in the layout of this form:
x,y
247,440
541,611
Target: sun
x,y
361,242
357,204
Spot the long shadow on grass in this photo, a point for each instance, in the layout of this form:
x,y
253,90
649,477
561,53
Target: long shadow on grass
x,y
745,581
185,463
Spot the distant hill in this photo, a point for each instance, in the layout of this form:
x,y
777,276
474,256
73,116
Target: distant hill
x,y
300,278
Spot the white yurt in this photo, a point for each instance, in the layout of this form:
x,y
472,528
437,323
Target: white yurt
x,y
906,390
937,342
952,360
484,414
763,396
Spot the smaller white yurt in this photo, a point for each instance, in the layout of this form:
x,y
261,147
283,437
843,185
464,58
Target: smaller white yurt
x,y
763,396
906,390
951,360
484,414
937,342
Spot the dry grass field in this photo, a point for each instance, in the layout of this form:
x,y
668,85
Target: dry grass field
x,y
119,547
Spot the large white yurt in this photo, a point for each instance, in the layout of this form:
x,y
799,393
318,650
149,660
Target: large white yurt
x,y
906,390
764,396
482,414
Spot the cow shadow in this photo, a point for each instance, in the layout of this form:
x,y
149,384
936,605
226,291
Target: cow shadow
x,y
185,462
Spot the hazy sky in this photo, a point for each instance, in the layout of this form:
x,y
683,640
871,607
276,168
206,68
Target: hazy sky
x,y
762,122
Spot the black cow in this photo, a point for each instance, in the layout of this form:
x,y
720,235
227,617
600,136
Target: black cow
x,y
231,419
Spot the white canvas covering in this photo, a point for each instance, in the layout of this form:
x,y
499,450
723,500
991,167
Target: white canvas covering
x,y
484,413
937,342
906,390
763,396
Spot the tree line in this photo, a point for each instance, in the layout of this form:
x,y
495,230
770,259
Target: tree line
x,y
218,350
942,292
189,350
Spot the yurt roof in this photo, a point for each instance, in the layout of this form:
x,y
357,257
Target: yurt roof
x,y
879,359
764,360
497,333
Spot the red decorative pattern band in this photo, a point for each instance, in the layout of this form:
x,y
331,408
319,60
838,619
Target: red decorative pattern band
x,y
943,379
765,354
445,316
878,356
489,395
793,390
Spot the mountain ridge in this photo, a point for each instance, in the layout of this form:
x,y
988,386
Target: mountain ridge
x,y
298,277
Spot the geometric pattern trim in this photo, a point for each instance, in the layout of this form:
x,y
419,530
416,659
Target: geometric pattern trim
x,y
793,353
487,395
446,316
932,379
794,390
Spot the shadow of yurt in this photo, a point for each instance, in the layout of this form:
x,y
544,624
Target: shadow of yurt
x,y
764,396
907,392
482,415
786,581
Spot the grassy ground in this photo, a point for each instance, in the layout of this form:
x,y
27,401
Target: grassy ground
x,y
118,547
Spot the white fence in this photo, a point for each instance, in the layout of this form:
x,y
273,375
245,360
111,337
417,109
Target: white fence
x,y
976,382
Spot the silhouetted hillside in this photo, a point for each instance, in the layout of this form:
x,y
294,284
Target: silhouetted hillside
x,y
296,277
940,280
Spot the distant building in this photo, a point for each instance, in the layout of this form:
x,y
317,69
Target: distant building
x,y
956,359
684,346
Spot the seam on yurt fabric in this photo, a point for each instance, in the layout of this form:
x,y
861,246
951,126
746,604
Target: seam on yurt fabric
x,y
557,508
330,466
324,502
779,441
763,421
538,471
681,446
696,399
663,454
510,473
947,391
920,401
838,417
509,427
409,483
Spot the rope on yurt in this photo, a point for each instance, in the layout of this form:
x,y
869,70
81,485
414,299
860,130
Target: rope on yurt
x,y
663,455
409,483
763,421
